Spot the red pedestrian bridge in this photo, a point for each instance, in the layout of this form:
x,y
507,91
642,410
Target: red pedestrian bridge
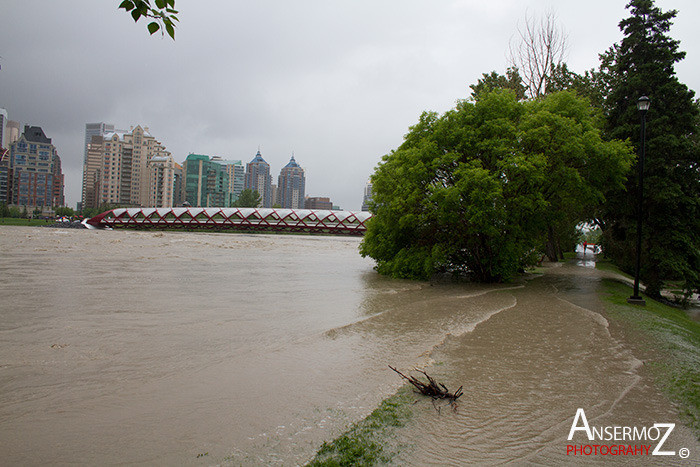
x,y
241,219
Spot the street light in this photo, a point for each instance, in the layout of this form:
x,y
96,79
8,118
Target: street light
x,y
642,106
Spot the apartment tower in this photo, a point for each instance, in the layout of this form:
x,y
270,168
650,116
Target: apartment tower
x,y
291,185
258,178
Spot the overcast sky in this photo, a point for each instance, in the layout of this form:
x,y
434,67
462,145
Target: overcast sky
x,y
336,83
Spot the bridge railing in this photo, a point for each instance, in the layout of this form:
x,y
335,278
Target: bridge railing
x,y
251,219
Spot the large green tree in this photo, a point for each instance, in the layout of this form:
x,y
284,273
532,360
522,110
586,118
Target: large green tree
x,y
643,64
482,188
248,199
491,81
64,211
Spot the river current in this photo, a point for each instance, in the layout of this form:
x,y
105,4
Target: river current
x,y
175,348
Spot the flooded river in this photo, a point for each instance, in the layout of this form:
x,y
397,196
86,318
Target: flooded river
x,y
198,349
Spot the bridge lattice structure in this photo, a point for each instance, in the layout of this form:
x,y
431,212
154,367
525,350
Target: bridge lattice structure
x,y
240,219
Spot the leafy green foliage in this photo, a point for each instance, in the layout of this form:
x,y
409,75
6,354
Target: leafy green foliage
x,y
163,14
591,84
248,199
64,211
592,236
492,81
643,64
480,189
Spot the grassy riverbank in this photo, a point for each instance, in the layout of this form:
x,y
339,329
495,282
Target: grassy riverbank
x,y
24,222
673,341
664,337
365,443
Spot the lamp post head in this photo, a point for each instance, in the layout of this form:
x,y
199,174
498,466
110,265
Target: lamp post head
x,y
643,104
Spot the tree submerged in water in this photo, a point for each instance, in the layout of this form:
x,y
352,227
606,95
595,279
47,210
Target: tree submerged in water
x,y
488,186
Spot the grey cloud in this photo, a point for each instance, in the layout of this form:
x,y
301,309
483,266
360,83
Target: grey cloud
x,y
338,83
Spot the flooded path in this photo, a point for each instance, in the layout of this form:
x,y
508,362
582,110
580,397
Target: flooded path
x,y
198,349
527,370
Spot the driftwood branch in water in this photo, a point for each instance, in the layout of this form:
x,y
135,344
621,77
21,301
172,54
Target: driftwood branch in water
x,y
432,389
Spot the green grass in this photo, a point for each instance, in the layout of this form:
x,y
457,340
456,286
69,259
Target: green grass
x,y
607,265
18,221
674,341
674,287
539,270
569,255
363,444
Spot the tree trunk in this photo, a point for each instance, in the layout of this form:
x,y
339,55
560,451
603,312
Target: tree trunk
x,y
559,250
551,249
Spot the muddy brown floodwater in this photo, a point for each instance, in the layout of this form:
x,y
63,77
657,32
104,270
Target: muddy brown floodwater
x,y
527,370
198,349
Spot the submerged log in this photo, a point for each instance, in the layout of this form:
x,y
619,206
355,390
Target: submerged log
x,y
432,389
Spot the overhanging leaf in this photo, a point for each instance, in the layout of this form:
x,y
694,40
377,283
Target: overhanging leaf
x,y
127,5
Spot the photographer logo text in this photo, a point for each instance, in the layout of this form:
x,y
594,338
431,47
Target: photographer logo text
x,y
628,440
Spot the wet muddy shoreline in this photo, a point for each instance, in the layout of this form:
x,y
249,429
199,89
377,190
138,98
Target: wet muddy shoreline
x,y
521,397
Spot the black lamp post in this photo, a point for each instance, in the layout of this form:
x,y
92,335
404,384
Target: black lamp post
x,y
642,106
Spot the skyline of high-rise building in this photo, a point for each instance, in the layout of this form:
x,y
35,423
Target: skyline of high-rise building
x,y
59,198
291,186
96,129
367,196
9,130
5,175
120,169
161,173
117,168
206,182
258,178
3,126
178,185
31,172
92,173
236,175
92,162
12,132
318,202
